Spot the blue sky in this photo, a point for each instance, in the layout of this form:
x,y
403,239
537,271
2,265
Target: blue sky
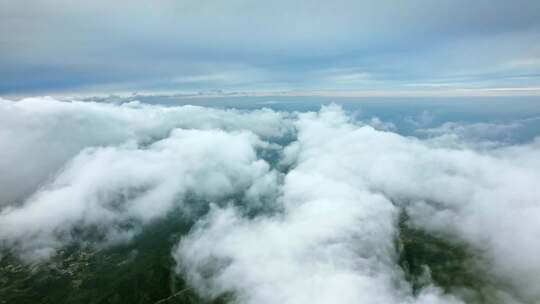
x,y
337,47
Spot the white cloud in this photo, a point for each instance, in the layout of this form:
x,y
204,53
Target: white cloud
x,y
333,226
131,163
479,135
109,188
334,239
378,124
38,135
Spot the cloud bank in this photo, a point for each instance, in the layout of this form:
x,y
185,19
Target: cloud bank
x,y
334,239
337,193
39,135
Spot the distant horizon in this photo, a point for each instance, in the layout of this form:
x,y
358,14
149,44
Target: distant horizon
x,y
479,92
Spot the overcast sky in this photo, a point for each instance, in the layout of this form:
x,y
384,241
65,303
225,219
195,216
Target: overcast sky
x,y
238,45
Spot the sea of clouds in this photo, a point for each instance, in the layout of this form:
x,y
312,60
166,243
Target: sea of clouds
x,y
337,190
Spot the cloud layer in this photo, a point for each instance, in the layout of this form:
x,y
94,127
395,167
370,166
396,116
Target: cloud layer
x,y
341,202
98,173
50,46
39,135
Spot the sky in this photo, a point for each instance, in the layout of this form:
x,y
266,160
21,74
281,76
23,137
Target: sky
x,y
344,47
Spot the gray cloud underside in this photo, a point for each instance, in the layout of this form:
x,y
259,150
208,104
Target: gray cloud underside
x,y
241,45
333,235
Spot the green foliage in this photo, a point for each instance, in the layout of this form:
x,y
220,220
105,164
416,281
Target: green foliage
x,y
143,270
140,272
430,259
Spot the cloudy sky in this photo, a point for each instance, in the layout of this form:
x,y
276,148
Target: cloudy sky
x,y
192,45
